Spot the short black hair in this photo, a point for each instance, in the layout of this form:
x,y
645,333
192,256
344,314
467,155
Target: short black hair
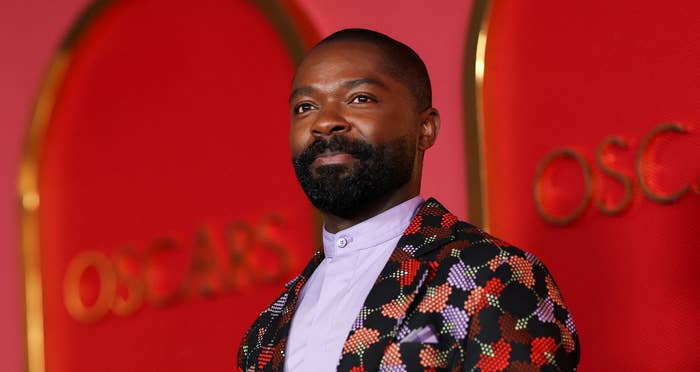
x,y
400,61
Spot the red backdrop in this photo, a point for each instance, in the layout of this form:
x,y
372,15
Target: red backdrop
x,y
568,75
162,161
170,214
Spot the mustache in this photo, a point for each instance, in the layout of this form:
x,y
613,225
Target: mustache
x,y
357,148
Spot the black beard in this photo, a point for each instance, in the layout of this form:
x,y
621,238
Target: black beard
x,y
343,191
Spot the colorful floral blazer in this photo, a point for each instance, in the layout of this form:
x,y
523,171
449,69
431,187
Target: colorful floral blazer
x,y
451,297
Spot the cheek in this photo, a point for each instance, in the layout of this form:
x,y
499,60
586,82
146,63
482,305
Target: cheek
x,y
388,126
298,141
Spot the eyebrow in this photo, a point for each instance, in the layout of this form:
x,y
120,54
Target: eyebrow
x,y
349,84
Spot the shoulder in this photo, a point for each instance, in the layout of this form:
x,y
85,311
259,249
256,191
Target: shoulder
x,y
485,253
512,301
477,248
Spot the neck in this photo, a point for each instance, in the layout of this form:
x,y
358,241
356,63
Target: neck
x,y
335,223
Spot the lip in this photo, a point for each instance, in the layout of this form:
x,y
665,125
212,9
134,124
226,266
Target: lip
x,y
333,158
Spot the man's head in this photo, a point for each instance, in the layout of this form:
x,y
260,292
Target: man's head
x,y
361,119
396,59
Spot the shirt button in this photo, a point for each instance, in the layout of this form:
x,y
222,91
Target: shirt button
x,y
341,242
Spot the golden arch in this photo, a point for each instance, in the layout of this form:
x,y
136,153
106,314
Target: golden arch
x,y
296,35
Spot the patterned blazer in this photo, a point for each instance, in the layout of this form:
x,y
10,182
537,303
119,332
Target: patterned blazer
x,y
451,297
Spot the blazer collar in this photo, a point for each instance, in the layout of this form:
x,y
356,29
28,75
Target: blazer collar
x,y
274,341
396,288
432,226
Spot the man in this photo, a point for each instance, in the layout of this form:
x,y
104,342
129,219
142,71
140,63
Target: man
x,y
400,284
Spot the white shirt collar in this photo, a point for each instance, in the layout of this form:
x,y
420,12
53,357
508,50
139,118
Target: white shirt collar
x,y
371,232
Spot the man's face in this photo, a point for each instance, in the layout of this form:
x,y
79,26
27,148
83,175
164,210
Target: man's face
x,y
353,128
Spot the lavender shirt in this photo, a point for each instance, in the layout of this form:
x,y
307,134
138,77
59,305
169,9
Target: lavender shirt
x,y
333,296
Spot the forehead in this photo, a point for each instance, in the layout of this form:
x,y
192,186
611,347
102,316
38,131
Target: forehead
x,y
339,60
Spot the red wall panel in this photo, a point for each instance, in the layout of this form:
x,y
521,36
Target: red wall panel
x,y
563,75
170,215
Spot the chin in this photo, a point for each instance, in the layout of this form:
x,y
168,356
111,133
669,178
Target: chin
x,y
334,171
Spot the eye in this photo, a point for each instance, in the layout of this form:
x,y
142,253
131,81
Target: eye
x,y
303,107
361,98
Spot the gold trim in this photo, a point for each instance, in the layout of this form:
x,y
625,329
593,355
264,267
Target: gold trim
x,y
291,38
475,60
28,192
28,176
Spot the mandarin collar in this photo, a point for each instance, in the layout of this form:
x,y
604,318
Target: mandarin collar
x,y
371,232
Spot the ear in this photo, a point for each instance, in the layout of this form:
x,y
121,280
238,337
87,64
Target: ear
x,y
429,127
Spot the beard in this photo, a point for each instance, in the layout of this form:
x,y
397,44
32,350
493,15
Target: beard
x,y
343,190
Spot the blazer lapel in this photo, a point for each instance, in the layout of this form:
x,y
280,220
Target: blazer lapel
x,y
274,339
392,296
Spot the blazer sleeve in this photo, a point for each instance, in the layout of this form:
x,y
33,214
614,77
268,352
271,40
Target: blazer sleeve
x,y
243,351
246,358
517,318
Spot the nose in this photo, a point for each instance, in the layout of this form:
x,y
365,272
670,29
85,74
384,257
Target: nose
x,y
329,122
